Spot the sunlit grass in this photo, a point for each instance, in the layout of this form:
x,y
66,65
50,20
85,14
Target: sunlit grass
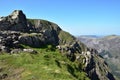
x,y
48,64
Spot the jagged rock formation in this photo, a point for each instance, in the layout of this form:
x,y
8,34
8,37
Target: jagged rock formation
x,y
16,30
14,22
108,47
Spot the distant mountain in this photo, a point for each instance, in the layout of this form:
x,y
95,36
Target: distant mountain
x,y
35,49
90,36
108,47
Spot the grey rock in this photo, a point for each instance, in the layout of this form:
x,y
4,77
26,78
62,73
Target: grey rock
x,y
14,51
30,51
4,49
14,22
33,41
108,47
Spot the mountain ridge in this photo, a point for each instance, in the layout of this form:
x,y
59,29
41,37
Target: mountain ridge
x,y
108,48
17,31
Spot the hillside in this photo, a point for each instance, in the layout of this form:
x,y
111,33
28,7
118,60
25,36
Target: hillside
x,y
35,49
108,47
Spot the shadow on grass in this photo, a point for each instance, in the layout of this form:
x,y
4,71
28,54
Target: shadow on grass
x,y
71,70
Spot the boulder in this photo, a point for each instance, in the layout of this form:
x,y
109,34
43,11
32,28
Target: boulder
x,y
4,49
30,51
14,51
32,40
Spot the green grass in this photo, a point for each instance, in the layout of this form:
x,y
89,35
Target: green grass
x,y
46,24
66,37
48,64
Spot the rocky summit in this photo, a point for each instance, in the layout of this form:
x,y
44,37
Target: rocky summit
x,y
16,32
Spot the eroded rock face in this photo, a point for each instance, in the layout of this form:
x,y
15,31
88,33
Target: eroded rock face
x,y
49,31
39,39
8,39
32,40
46,32
15,22
16,30
88,60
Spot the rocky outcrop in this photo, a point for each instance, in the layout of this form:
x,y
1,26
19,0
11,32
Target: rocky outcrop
x,y
20,31
88,60
108,47
97,68
39,39
9,39
15,22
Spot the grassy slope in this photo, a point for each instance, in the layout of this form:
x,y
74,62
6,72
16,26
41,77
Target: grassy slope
x,y
68,38
48,64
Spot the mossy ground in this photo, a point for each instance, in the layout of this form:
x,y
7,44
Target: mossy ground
x,y
48,64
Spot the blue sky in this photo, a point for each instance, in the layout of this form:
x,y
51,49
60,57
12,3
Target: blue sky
x,y
79,17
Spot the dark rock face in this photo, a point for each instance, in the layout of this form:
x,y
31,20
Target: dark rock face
x,y
15,22
39,32
16,30
33,41
110,76
48,31
39,39
8,39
